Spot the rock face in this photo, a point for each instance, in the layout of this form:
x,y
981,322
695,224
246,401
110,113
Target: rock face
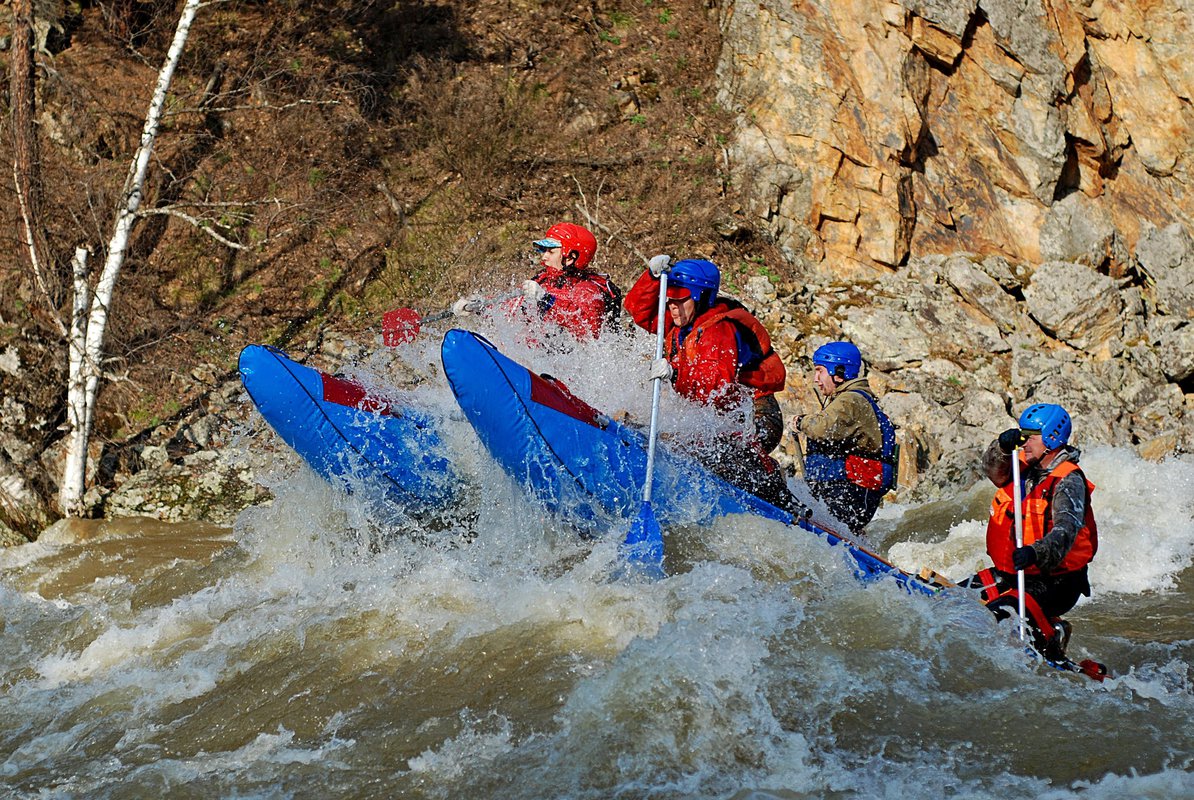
x,y
955,357
1037,130
994,198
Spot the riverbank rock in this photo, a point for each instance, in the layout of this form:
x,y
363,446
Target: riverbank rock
x,y
955,355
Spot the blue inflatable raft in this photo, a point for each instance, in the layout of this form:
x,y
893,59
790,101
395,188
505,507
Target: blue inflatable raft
x,y
357,440
583,465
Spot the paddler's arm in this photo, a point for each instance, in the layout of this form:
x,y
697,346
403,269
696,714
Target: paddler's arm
x,y
642,302
837,422
1068,508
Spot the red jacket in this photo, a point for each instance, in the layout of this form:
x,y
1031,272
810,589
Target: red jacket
x,y
724,353
581,303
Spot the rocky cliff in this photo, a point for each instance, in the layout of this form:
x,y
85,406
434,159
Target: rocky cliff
x,y
1036,130
996,195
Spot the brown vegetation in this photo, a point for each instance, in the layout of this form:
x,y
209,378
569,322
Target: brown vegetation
x,y
360,155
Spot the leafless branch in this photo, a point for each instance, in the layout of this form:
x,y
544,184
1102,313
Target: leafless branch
x,y
395,204
583,208
250,107
195,221
34,259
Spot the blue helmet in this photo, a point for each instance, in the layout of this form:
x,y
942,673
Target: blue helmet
x,y
839,358
1051,420
701,278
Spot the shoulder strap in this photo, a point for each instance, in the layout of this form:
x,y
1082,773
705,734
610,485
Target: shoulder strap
x,y
886,428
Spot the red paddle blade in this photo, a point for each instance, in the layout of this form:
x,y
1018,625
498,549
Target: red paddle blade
x,y
399,326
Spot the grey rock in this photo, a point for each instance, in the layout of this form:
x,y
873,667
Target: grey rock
x,y
951,17
982,291
1158,417
956,328
1176,351
759,289
890,338
1039,126
986,411
1024,30
203,488
1078,230
154,456
1074,303
1167,257
1008,276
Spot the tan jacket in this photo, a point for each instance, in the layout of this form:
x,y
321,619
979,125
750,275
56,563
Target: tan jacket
x,y
847,425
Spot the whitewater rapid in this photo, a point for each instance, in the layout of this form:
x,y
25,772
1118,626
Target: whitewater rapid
x,y
321,649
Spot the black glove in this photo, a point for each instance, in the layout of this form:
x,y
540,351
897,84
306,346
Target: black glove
x,y
1009,440
1023,557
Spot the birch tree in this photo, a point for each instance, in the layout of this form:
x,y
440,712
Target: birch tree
x,y
89,314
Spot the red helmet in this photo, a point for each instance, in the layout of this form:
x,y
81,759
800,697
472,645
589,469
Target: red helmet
x,y
578,243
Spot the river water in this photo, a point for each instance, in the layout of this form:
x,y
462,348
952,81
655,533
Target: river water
x,y
319,648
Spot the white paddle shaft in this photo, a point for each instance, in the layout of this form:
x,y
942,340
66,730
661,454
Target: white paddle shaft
x,y
1019,517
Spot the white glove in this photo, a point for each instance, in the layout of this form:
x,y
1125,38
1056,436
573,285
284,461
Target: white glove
x,y
661,369
466,306
533,291
659,265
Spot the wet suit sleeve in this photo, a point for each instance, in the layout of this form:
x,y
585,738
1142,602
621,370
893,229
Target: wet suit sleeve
x,y
1068,509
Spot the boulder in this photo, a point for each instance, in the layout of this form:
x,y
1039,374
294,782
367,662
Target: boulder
x,y
1076,304
1166,255
977,287
1077,230
1176,352
889,338
204,486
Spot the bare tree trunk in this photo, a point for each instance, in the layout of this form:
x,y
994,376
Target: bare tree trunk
x,y
20,84
90,317
26,160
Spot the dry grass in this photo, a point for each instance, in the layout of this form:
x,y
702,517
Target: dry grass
x,y
368,155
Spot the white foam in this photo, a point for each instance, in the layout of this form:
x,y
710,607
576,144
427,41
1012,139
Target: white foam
x,y
1145,515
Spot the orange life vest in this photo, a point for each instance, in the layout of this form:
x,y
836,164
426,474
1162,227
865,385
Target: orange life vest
x,y
765,371
1038,521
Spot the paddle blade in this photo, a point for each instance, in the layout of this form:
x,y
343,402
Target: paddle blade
x,y
643,547
400,326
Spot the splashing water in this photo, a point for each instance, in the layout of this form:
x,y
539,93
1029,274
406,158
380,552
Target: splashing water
x,y
320,650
